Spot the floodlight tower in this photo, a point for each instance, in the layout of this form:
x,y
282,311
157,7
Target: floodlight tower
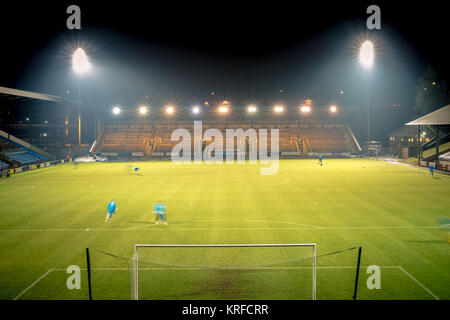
x,y
366,57
80,65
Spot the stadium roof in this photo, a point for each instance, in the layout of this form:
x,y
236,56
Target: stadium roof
x,y
9,96
438,117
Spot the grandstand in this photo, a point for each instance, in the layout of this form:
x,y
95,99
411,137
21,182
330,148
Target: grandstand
x,y
23,157
3,165
20,152
298,136
44,121
438,123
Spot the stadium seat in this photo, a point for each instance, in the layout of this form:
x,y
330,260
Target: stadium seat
x,y
3,165
322,136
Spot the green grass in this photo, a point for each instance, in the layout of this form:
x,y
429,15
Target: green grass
x,y
389,210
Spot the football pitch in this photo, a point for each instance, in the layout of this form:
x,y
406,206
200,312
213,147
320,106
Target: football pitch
x,y
48,217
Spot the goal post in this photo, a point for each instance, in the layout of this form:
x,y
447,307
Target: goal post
x,y
223,271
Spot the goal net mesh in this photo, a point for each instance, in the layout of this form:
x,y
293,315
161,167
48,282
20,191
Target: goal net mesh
x,y
223,272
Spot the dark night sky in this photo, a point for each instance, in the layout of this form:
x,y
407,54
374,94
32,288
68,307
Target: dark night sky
x,y
181,52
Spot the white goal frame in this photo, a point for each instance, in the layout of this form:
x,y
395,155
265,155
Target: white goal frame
x,y
137,246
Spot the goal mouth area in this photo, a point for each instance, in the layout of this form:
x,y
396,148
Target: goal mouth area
x,y
225,271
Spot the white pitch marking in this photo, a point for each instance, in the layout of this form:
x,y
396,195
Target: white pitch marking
x,y
33,284
270,221
244,268
419,283
144,225
231,228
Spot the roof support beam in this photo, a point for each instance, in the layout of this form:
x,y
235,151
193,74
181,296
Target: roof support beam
x,y
29,94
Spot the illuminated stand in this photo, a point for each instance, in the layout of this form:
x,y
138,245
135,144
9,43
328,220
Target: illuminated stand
x,y
160,213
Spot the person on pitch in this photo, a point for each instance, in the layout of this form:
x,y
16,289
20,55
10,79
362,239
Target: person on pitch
x,y
112,208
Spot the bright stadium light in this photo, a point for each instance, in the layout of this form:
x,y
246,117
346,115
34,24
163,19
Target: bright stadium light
x,y
195,110
80,62
116,111
251,109
143,110
333,109
170,110
366,54
279,109
223,109
305,109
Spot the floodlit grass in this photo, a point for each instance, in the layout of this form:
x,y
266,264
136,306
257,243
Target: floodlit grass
x,y
49,216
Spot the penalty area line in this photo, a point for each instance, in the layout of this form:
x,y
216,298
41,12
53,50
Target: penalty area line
x,y
33,284
418,282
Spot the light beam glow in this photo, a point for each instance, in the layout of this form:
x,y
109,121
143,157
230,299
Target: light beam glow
x,y
366,54
305,109
80,62
279,109
251,109
170,110
116,111
143,110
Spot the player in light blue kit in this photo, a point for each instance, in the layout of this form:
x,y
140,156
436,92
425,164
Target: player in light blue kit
x,y
431,168
320,159
160,213
111,210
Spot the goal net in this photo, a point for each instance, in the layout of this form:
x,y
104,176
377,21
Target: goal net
x,y
223,272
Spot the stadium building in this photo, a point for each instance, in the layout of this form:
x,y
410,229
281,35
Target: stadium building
x,y
145,132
